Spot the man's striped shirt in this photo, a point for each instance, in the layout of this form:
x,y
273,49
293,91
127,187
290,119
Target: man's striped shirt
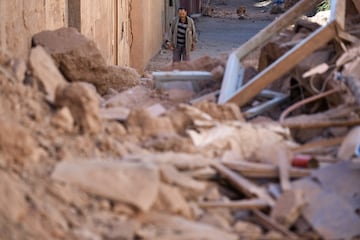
x,y
181,33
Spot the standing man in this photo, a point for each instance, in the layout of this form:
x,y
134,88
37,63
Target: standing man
x,y
182,36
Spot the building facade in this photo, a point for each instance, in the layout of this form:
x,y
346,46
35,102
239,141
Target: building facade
x,y
127,32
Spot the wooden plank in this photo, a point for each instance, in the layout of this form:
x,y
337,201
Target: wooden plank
x,y
270,224
323,124
284,165
284,64
276,26
263,170
248,188
239,205
338,12
318,145
348,37
357,5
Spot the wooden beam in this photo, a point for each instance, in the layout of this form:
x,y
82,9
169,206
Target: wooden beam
x,y
323,124
239,205
357,5
338,12
318,145
284,64
276,26
242,184
263,170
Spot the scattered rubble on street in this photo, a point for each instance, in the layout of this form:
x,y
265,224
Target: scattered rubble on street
x,y
90,151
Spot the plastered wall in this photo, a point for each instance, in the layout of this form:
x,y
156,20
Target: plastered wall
x,y
19,20
127,32
147,21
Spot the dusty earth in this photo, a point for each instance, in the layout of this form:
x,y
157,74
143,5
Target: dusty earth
x,y
85,155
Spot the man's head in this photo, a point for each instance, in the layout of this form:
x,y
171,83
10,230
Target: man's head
x,y
182,13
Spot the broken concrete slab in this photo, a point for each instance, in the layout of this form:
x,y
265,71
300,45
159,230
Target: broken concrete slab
x,y
136,184
46,72
324,195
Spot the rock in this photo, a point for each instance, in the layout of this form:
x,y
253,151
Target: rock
x,y
118,78
79,59
215,220
83,104
16,143
247,230
172,176
63,120
228,111
19,69
13,205
276,9
217,73
141,123
121,230
136,184
274,235
164,227
45,72
172,201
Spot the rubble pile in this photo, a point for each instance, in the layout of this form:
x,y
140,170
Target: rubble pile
x,y
86,155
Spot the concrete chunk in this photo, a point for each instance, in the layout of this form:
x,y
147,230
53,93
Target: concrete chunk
x,y
136,184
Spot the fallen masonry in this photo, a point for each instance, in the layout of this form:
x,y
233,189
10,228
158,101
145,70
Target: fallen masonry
x,y
98,153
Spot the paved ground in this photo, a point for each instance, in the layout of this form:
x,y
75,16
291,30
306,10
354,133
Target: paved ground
x,y
225,32
218,35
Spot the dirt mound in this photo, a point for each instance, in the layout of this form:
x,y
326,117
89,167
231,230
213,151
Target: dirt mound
x,y
79,59
204,63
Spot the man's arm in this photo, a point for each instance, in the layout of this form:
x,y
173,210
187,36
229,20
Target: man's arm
x,y
194,35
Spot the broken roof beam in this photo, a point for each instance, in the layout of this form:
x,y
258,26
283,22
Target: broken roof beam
x,y
357,5
284,64
276,26
338,12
